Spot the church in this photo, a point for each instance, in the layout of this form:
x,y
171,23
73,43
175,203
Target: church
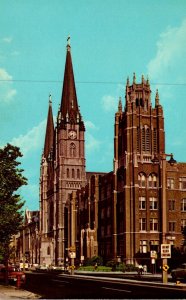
x,y
135,208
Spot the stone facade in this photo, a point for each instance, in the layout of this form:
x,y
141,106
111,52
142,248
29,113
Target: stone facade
x,y
133,209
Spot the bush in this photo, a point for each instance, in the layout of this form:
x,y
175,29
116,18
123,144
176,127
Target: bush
x,y
131,268
112,264
121,267
93,260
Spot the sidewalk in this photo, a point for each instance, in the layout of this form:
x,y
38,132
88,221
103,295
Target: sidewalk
x,y
9,292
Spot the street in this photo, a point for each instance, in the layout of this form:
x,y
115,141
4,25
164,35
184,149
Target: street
x,y
61,286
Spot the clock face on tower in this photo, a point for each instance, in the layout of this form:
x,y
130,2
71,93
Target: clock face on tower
x,y
72,134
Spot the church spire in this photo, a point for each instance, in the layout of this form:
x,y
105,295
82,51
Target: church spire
x,y
49,136
69,103
157,98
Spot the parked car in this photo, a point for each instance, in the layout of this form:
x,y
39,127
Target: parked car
x,y
13,274
179,273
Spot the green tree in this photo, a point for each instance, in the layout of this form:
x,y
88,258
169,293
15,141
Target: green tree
x,y
11,179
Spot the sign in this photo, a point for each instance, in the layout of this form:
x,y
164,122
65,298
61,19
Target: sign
x,y
153,254
165,251
153,261
72,254
72,249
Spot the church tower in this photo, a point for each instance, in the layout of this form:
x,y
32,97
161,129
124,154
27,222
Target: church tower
x,y
47,190
139,137
70,172
62,168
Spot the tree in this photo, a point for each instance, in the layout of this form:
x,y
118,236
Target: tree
x,y
11,179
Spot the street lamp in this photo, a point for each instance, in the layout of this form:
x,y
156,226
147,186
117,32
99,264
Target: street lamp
x,y
171,161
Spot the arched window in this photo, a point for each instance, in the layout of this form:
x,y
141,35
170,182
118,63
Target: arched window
x,y
142,180
72,150
152,181
78,173
68,173
73,173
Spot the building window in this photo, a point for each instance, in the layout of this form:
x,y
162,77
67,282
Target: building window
x,y
153,203
183,224
121,206
142,224
138,139
68,173
152,181
78,173
171,204
109,229
155,140
153,224
143,246
170,183
172,226
102,231
108,212
121,226
182,183
142,203
72,150
142,180
48,250
102,213
73,173
145,139
183,205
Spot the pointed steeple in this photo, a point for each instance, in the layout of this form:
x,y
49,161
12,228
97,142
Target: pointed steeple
x,y
157,98
49,136
69,103
120,105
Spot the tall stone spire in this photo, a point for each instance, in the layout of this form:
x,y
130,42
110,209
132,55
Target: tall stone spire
x,y
157,98
49,136
69,103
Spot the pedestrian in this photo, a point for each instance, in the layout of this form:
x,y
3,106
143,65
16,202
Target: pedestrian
x,y
140,269
95,266
145,269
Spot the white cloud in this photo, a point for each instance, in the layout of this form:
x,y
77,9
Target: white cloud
x,y
4,75
32,140
7,93
109,103
92,143
90,125
7,39
170,59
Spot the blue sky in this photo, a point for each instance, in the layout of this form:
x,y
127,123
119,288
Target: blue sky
x,y
110,40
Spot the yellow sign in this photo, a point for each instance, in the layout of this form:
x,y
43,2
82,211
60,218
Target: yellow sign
x,y
165,268
72,248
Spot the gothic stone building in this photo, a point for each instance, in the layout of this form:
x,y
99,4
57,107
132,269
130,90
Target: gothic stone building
x,y
134,208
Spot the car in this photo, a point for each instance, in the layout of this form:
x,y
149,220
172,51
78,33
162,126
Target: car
x,y
179,273
14,274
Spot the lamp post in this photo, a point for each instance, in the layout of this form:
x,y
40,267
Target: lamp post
x,y
163,161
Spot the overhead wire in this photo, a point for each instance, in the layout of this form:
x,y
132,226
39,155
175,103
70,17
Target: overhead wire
x,y
86,82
